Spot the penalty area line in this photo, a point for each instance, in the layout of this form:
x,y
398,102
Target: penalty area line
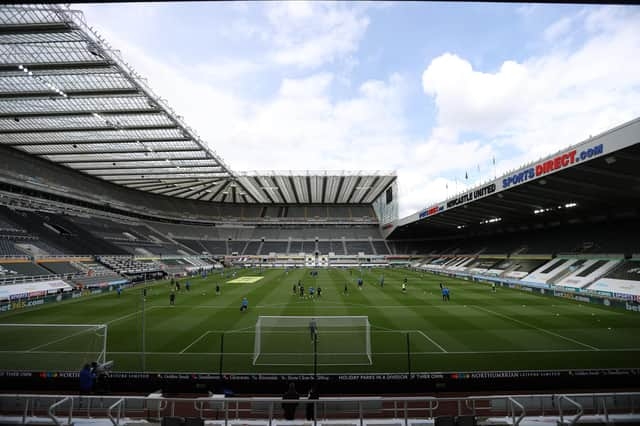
x,y
569,339
431,340
195,341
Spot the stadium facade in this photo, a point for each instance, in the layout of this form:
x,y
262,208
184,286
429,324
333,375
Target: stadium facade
x,y
94,163
102,184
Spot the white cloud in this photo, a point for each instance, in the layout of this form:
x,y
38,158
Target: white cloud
x,y
309,34
550,101
558,28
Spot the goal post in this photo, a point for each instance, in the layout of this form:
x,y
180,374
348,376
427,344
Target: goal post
x,y
291,340
62,347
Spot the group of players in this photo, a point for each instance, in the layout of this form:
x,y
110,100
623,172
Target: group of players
x,y
298,289
313,292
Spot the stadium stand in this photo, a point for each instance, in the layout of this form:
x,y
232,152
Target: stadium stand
x,y
355,247
16,269
128,265
236,247
380,247
215,247
53,201
252,248
274,247
7,248
60,268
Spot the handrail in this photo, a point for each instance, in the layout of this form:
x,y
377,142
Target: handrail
x,y
119,403
513,415
572,402
52,409
398,407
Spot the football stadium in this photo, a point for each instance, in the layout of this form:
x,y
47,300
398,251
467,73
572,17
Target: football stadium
x,y
197,293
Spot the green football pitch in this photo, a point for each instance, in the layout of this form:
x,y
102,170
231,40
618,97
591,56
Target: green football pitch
x,y
477,330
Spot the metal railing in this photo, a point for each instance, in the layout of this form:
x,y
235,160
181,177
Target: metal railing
x,y
356,410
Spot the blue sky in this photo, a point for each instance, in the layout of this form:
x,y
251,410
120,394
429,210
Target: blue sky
x,y
430,90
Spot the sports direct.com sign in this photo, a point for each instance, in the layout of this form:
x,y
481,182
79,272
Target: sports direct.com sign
x,y
557,163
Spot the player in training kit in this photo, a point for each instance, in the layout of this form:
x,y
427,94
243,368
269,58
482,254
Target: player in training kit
x,y
404,287
313,329
493,287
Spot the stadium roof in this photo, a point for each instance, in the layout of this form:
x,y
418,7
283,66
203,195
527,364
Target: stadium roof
x,y
69,97
595,177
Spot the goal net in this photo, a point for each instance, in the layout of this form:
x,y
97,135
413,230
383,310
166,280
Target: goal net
x,y
289,340
52,347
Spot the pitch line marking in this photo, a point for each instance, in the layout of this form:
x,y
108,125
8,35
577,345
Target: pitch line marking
x,y
537,328
417,331
84,331
194,342
431,340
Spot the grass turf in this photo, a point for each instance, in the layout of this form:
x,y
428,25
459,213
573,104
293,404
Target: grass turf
x,y
476,330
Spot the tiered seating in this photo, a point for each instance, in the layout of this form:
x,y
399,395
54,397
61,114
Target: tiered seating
x,y
236,246
174,266
362,211
355,247
339,212
296,247
185,231
274,247
252,248
296,212
194,245
95,274
61,268
316,211
380,247
8,249
60,233
95,268
128,265
325,247
15,269
215,247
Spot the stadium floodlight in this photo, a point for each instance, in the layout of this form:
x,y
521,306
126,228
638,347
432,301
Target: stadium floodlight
x,y
288,341
52,347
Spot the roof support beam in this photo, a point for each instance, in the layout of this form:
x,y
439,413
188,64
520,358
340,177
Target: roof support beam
x,y
100,141
89,129
54,66
353,190
44,28
176,172
70,93
80,113
138,151
184,168
156,185
136,160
